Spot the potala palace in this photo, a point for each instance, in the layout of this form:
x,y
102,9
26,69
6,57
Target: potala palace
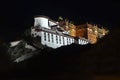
x,y
51,34
54,34
59,33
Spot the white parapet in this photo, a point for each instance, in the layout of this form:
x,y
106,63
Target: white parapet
x,y
42,22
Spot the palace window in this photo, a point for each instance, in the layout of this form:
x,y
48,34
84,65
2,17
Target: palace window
x,y
45,36
56,39
67,40
48,37
60,39
63,41
52,37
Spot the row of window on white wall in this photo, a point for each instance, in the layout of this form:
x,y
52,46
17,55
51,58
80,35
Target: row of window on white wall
x,y
57,39
82,42
49,37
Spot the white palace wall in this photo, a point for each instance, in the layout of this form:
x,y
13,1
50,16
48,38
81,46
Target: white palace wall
x,y
55,40
49,37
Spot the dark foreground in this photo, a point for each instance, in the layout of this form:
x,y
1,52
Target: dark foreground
x,y
74,62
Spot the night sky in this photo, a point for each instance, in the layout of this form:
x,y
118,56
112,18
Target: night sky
x,y
16,16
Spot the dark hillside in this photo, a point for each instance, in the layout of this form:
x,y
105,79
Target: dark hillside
x,y
69,62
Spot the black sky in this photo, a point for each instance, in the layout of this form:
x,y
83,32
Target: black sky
x,y
16,16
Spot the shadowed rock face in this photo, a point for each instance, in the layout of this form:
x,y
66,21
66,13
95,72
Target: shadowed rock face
x,y
5,62
79,62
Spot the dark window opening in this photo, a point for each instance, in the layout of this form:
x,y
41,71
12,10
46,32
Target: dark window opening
x,y
63,41
56,39
45,36
60,39
48,37
52,37
67,40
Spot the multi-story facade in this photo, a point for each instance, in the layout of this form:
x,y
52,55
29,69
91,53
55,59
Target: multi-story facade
x,y
55,34
51,35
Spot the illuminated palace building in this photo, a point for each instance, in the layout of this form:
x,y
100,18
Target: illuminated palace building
x,y
59,33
